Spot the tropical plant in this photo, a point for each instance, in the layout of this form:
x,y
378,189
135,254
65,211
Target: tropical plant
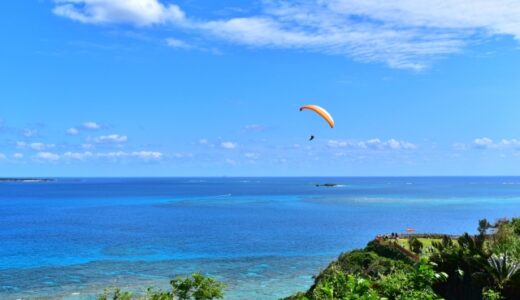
x,y
345,287
197,287
483,226
490,294
502,268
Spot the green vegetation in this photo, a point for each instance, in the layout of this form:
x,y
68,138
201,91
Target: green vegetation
x,y
415,245
481,267
196,287
430,267
427,242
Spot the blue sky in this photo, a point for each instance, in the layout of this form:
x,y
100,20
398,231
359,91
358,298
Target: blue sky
x,y
212,88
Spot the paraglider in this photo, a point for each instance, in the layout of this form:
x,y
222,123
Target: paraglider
x,y
322,113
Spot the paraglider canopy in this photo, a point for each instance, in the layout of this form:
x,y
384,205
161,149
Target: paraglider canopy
x,y
320,111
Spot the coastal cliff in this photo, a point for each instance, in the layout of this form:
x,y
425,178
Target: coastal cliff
x,y
483,266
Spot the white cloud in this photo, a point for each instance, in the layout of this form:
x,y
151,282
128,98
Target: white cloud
x,y
145,155
136,12
374,144
18,155
396,145
251,155
176,43
501,16
483,143
400,33
112,138
2,156
41,146
72,131
228,145
148,155
343,144
206,143
37,146
512,143
115,154
487,143
91,125
78,155
21,145
48,156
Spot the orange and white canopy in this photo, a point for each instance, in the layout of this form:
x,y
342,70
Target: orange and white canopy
x,y
320,111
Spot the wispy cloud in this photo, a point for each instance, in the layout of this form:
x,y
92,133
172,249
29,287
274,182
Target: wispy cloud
x,y
406,34
487,143
142,154
373,144
91,125
228,145
114,154
112,138
78,155
176,43
49,156
182,155
72,131
41,146
148,155
38,146
483,143
252,155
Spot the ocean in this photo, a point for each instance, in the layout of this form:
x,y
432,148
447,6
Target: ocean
x,y
263,237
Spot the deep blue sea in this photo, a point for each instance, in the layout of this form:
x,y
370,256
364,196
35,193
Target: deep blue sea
x,y
263,237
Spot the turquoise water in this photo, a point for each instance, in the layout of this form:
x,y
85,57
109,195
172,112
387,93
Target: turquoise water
x,y
264,237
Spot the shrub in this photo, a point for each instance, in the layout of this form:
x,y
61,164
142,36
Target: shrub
x,y
346,287
415,245
196,287
490,294
115,294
